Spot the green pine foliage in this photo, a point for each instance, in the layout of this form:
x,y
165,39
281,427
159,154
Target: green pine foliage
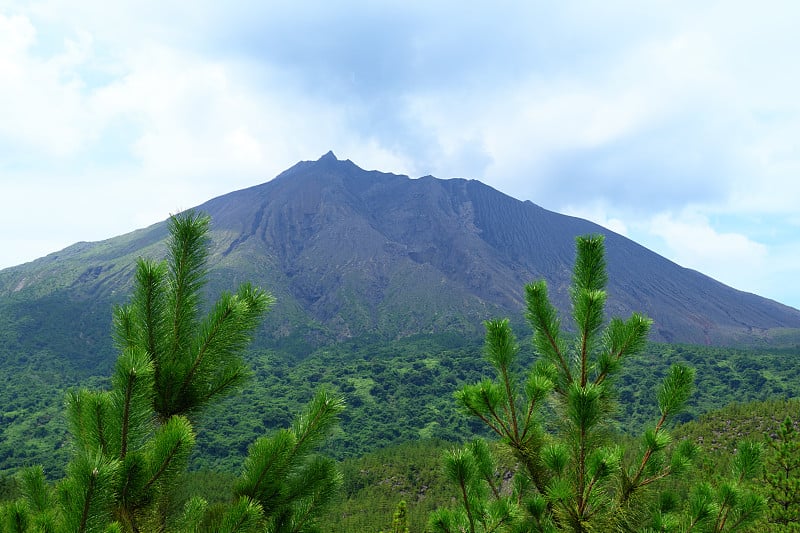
x,y
557,420
472,471
132,443
400,518
720,503
782,478
375,482
283,477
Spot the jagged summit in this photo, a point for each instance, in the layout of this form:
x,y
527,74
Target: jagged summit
x,y
326,165
329,156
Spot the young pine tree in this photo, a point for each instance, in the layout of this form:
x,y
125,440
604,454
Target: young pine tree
x,y
782,477
132,443
729,504
472,471
574,474
399,518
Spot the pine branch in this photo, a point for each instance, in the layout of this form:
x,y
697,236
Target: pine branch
x,y
589,272
267,460
480,399
460,474
186,277
546,329
87,414
588,296
313,490
132,396
34,489
149,302
320,417
86,494
169,450
484,463
187,257
501,351
191,520
242,517
122,325
226,381
623,339
223,311
224,335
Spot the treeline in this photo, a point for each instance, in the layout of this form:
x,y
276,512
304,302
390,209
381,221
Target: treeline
x,y
396,392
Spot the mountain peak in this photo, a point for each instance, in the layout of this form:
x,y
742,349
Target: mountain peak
x,y
327,163
328,157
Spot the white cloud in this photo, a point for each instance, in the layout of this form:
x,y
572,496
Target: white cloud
x,y
765,267
694,243
599,213
43,107
167,131
606,110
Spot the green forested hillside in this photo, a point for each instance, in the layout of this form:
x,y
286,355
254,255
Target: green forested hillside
x,y
718,431
403,390
396,391
401,409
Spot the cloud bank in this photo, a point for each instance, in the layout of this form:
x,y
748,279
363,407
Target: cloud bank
x,y
674,123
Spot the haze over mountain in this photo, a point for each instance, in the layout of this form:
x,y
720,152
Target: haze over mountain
x,y
349,252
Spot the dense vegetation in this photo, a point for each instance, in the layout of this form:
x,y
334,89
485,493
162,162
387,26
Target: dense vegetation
x,y
396,391
399,392
375,483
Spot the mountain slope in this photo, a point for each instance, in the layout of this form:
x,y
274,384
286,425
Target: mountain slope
x,y
349,252
389,254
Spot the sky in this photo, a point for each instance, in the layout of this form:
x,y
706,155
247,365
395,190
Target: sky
x,y
674,123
